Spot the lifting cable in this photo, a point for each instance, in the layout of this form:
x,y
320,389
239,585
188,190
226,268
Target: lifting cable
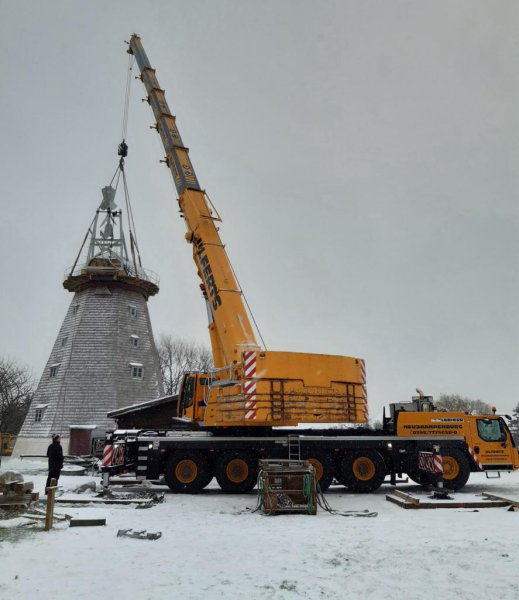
x,y
131,60
245,299
323,503
122,151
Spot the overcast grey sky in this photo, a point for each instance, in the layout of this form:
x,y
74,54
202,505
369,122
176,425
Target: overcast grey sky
x,y
363,155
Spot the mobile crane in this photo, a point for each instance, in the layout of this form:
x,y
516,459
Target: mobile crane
x,y
226,418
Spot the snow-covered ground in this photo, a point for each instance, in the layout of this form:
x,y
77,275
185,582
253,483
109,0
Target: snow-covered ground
x,y
211,549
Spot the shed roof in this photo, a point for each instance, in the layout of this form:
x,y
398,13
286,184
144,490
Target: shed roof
x,y
126,410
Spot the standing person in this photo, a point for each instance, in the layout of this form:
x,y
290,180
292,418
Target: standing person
x,y
55,454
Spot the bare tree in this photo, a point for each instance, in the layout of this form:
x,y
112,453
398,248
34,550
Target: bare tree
x,y
178,356
16,390
455,402
514,424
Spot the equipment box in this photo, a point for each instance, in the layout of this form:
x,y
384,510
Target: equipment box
x,y
288,486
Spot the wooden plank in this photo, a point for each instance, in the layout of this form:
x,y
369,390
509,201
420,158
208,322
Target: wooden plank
x,y
447,504
494,497
22,456
41,513
399,501
8,487
23,488
488,504
14,500
43,517
125,481
102,501
406,497
87,522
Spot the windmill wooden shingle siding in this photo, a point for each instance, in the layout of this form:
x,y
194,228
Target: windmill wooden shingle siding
x,y
104,356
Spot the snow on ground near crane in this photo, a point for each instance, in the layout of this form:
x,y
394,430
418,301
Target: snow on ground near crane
x,y
210,549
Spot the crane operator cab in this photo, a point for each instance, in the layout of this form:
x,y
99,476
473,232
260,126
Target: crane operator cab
x,y
193,396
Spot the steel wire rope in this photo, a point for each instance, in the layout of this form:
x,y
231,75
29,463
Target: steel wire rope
x,y
245,299
131,222
131,60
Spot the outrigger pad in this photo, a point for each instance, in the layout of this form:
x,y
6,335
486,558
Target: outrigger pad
x,y
441,494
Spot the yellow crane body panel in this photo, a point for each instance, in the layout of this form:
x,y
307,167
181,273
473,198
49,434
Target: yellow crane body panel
x,y
286,388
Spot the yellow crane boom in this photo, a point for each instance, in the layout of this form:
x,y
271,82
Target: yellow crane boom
x,y
230,330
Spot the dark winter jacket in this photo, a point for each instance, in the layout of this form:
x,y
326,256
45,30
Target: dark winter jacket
x,y
55,454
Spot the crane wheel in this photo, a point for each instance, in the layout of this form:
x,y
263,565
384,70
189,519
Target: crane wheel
x,y
236,472
456,468
187,471
323,465
363,471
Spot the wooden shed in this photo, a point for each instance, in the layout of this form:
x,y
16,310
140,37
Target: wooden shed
x,y
152,414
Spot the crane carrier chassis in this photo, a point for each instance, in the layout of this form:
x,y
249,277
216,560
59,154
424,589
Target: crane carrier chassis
x,y
189,461
360,459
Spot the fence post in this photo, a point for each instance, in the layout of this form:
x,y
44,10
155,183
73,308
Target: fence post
x,y
49,515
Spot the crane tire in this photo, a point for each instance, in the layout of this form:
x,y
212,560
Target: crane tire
x,y
363,470
324,467
236,471
456,468
187,471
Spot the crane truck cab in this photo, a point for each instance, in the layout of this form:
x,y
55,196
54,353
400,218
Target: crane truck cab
x,y
193,396
490,445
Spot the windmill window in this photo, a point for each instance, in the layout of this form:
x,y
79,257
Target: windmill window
x,y
64,341
75,308
136,370
54,370
133,311
134,341
39,412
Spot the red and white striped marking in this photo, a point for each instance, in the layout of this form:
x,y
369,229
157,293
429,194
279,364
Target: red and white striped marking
x,y
107,455
430,462
476,459
362,364
249,386
365,403
438,463
118,455
364,389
